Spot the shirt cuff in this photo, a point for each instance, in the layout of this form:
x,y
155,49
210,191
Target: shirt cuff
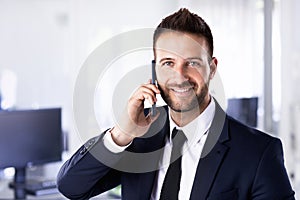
x,y
111,145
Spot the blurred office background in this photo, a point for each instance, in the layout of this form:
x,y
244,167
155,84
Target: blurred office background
x,y
44,43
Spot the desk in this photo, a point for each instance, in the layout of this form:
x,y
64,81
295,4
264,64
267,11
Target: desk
x,y
47,171
8,194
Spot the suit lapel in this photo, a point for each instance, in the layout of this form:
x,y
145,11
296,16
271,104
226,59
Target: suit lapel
x,y
212,155
206,172
158,130
146,180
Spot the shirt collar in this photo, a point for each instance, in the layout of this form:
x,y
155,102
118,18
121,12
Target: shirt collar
x,y
199,126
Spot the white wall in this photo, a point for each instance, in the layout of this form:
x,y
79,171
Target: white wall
x,y
45,42
290,74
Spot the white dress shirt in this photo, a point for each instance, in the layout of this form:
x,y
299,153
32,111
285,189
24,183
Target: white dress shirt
x,y
196,133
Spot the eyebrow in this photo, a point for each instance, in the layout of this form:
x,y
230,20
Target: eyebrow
x,y
164,59
190,58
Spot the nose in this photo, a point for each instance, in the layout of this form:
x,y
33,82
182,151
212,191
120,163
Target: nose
x,y
181,70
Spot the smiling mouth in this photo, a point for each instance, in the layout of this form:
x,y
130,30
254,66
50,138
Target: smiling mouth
x,y
182,91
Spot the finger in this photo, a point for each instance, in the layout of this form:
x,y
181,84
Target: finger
x,y
145,92
141,95
150,97
151,118
152,87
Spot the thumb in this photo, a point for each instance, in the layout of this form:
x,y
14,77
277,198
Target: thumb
x,y
151,118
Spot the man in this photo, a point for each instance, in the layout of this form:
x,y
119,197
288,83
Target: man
x,y
211,156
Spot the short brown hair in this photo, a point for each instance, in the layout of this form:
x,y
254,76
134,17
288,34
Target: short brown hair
x,y
185,21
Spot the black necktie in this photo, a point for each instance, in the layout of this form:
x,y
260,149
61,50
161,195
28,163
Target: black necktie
x,y
171,182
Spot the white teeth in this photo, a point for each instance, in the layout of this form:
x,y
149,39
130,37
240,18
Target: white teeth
x,y
181,90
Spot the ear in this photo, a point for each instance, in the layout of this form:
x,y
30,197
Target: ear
x,y
213,67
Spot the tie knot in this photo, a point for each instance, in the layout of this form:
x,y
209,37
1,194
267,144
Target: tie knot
x,y
178,138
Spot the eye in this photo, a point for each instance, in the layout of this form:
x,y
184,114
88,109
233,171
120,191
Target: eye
x,y
193,63
168,64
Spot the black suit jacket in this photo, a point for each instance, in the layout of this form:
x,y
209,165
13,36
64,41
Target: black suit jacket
x,y
237,162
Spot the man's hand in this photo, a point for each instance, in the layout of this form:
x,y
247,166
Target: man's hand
x,y
133,123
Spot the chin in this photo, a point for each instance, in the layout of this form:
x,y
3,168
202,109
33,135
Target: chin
x,y
194,105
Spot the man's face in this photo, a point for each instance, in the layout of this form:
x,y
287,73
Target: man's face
x,y
184,69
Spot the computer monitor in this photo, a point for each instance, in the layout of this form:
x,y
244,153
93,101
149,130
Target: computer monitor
x,y
29,137
244,110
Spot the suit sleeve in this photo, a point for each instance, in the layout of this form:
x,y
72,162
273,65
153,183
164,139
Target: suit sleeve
x,y
89,171
271,180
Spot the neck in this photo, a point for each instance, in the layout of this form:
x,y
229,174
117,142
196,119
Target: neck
x,y
183,118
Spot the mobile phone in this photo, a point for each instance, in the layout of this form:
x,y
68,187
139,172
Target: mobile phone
x,y
153,81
